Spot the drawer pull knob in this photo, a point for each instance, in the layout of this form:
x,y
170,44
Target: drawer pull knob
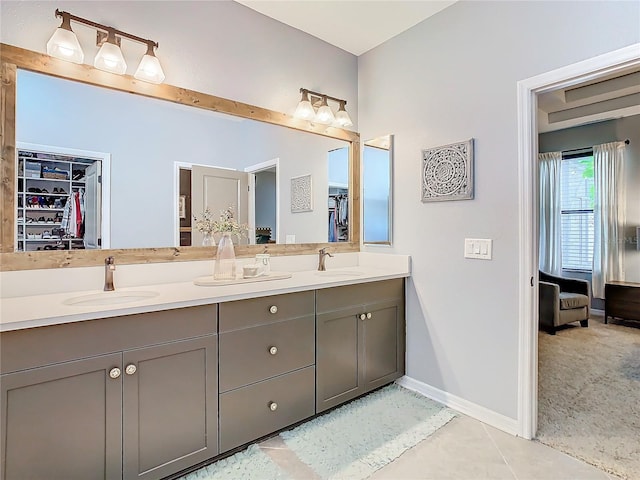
x,y
273,350
362,316
114,372
131,369
273,406
273,309
368,316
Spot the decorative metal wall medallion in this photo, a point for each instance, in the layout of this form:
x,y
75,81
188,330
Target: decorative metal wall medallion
x,y
447,172
301,194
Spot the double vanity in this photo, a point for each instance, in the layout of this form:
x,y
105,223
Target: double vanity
x,y
156,379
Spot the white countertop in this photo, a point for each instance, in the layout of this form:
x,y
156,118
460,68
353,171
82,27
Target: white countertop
x,y
41,310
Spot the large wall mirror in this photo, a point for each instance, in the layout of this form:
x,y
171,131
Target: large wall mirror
x,y
138,160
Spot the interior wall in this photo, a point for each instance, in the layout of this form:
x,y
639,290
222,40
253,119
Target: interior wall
x,y
451,78
218,47
604,132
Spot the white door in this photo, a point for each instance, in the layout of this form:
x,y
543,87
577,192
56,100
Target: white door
x,y
92,206
218,189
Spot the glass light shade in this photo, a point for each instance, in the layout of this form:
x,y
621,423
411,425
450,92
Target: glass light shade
x,y
149,70
343,119
64,45
325,115
110,59
305,110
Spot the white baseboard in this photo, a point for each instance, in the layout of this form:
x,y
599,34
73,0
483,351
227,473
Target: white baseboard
x,y
501,422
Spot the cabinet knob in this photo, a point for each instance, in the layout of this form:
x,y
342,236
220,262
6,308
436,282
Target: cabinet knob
x,y
273,309
368,316
114,372
131,369
273,350
362,316
273,406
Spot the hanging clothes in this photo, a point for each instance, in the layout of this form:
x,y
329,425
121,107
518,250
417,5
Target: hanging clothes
x,y
73,215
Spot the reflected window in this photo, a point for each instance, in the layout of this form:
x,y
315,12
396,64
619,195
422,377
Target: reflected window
x,y
377,170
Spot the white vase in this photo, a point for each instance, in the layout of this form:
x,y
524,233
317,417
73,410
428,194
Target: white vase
x,y
225,266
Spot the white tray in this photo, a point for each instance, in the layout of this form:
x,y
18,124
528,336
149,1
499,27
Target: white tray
x,y
210,281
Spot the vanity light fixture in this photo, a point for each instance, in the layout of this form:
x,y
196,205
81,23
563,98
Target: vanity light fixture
x,y
65,46
306,109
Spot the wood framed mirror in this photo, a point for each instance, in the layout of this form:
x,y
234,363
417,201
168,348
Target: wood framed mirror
x,y
15,60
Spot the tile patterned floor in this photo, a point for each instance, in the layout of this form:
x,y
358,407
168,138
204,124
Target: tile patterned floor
x,y
464,449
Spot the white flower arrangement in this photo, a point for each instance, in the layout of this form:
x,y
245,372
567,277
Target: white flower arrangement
x,y
225,223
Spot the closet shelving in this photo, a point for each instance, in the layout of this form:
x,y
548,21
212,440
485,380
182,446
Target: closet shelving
x,y
45,183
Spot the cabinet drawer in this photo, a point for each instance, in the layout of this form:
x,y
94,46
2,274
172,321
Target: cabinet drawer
x,y
246,413
259,311
34,347
336,298
257,353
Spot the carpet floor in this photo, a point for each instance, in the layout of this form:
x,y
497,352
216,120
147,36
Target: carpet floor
x,y
589,395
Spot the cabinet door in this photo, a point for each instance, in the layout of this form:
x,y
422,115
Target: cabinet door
x,y
383,343
170,407
63,421
338,377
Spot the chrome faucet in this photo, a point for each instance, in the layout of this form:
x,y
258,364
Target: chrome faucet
x,y
109,268
322,255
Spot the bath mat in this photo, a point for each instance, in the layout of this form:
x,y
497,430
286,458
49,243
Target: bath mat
x,y
249,464
355,440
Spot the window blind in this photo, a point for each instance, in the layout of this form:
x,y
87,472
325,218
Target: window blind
x,y
576,200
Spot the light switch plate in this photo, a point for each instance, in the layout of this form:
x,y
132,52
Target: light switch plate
x,y
480,248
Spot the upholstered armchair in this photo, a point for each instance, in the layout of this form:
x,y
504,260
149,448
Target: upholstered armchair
x,y
563,300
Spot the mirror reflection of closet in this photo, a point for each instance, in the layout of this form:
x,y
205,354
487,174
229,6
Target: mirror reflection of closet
x,y
60,193
377,171
338,205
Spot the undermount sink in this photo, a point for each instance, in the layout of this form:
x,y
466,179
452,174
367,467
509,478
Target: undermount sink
x,y
339,273
110,298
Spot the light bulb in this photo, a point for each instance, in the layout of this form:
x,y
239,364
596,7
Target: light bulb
x,y
150,69
304,109
342,117
325,115
109,57
64,44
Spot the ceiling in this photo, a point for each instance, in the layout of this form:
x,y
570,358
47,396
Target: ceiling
x,y
357,26
609,97
352,25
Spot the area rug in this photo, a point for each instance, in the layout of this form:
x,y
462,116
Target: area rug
x,y
249,464
589,395
355,440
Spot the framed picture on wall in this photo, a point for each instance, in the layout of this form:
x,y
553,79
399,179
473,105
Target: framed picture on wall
x,y
447,172
182,206
301,196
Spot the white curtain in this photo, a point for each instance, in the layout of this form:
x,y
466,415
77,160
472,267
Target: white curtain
x,y
609,215
550,213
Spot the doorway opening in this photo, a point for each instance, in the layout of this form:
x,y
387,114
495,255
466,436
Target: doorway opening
x,y
264,202
528,92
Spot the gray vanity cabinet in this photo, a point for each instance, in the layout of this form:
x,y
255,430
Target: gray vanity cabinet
x,y
267,371
169,407
359,340
124,397
63,421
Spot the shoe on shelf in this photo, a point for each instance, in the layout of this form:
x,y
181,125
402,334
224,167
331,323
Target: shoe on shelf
x,y
46,234
61,190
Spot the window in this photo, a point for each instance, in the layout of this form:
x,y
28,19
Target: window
x,y
576,199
